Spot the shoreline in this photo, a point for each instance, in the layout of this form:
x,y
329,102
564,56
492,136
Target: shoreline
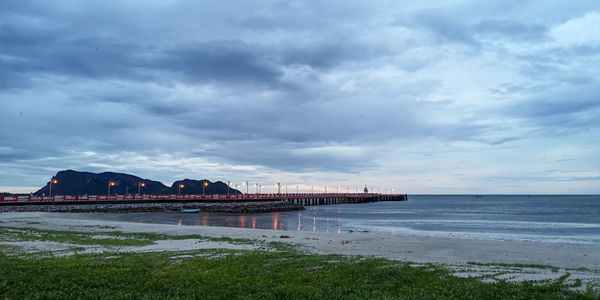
x,y
486,259
420,249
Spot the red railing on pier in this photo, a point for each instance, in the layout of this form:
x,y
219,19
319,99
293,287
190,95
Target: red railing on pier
x,y
216,197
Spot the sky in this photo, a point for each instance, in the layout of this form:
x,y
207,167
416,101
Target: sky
x,y
417,96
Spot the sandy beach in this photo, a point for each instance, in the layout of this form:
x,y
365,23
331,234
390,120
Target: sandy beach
x,y
581,261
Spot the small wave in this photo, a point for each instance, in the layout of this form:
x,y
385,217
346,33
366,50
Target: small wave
x,y
575,239
487,223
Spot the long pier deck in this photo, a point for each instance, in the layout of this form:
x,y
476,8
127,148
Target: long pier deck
x,y
304,199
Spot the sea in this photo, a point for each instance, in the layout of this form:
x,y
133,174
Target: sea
x,y
540,218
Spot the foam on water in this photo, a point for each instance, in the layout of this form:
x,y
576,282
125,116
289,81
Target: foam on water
x,y
500,236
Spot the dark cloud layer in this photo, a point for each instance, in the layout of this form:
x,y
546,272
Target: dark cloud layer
x,y
227,61
290,87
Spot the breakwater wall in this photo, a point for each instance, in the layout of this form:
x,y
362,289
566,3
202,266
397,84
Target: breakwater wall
x,y
222,207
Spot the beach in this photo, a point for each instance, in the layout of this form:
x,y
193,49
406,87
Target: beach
x,y
467,257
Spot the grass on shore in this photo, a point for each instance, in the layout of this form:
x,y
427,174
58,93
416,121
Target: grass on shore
x,y
101,238
283,273
228,274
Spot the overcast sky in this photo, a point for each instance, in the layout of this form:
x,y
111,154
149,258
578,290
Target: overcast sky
x,y
460,97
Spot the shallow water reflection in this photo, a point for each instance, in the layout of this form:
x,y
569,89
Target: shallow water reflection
x,y
570,219
300,221
272,221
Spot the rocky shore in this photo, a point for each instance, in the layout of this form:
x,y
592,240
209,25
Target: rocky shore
x,y
220,207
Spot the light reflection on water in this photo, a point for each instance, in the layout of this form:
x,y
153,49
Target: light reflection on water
x,y
274,221
300,221
571,219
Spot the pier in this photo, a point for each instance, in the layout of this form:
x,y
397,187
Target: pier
x,y
303,199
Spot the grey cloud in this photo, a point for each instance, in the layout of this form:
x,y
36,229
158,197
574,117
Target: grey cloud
x,y
9,154
541,70
560,55
501,141
511,30
76,48
549,74
89,57
231,61
309,122
541,178
544,107
10,80
443,28
36,50
220,60
577,51
519,89
15,37
289,157
560,111
461,26
326,54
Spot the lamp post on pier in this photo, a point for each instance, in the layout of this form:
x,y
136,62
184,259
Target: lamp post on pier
x,y
140,186
228,186
246,184
110,183
179,190
278,185
52,181
256,186
204,185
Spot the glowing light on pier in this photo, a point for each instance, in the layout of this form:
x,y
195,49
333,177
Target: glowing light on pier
x,y
110,183
52,181
140,186
246,184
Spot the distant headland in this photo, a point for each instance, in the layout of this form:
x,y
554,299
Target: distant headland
x,y
70,182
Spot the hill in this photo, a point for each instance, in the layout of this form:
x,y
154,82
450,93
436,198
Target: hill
x,y
194,187
86,183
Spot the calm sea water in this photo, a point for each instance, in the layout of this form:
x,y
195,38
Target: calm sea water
x,y
556,218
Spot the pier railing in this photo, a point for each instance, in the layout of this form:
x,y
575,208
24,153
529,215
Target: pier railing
x,y
300,198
